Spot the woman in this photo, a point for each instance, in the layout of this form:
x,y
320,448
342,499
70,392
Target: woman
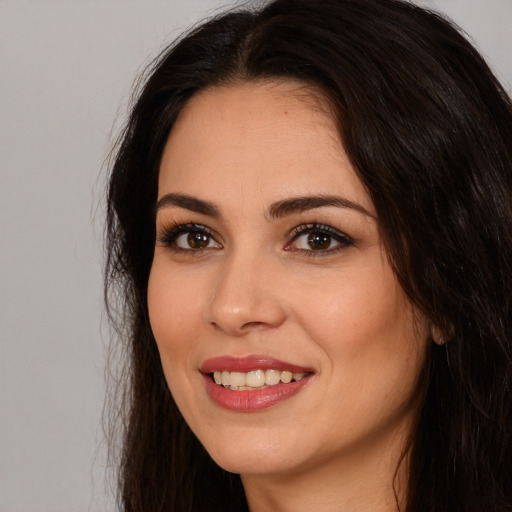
x,y
310,230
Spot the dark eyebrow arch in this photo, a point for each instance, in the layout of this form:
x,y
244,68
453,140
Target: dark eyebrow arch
x,y
188,203
301,204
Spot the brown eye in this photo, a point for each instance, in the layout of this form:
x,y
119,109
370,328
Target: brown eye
x,y
192,238
319,241
198,240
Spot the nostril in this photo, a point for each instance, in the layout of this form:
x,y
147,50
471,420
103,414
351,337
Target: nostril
x,y
256,326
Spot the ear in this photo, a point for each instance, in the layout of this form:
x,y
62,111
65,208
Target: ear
x,y
441,335
437,335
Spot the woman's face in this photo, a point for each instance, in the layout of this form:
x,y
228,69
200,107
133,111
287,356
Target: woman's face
x,y
268,267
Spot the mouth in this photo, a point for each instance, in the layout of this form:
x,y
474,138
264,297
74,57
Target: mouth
x,y
252,383
257,379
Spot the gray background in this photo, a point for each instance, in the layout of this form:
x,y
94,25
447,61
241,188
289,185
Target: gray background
x,y
66,69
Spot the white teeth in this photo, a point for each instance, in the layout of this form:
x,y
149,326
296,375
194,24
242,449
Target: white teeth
x,y
272,377
286,377
256,379
237,380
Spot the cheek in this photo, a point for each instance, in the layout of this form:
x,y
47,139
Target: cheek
x,y
175,308
368,331
347,311
374,352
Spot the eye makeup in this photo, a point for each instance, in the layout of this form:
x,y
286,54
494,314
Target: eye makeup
x,y
187,237
311,239
317,239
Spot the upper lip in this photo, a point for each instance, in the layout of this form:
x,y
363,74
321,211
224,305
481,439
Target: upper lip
x,y
250,363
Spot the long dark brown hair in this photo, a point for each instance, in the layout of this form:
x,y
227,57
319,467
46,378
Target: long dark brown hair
x,y
428,129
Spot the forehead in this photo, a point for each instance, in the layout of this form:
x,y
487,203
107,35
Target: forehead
x,y
274,138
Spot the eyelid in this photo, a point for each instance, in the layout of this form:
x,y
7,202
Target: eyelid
x,y
315,227
169,233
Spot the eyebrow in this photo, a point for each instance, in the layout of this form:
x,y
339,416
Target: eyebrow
x,y
277,210
188,203
301,204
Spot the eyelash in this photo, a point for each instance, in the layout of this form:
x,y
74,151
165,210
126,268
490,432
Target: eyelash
x,y
170,235
323,229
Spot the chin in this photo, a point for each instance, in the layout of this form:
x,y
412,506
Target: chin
x,y
264,456
255,465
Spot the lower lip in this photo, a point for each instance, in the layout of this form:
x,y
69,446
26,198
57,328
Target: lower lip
x,y
257,400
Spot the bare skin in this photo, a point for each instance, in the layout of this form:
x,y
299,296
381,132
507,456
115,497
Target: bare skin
x,y
242,266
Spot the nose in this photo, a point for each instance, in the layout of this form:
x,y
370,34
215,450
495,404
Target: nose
x,y
246,296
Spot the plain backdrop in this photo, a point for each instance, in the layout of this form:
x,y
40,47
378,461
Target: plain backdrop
x,y
66,71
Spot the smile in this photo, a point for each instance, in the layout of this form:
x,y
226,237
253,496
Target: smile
x,y
258,379
253,383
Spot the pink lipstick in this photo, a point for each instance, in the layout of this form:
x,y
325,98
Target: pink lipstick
x,y
252,383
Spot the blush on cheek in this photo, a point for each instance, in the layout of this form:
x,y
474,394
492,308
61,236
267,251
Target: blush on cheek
x,y
166,305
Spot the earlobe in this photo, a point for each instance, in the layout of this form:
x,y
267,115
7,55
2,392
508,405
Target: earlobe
x,y
440,336
437,335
